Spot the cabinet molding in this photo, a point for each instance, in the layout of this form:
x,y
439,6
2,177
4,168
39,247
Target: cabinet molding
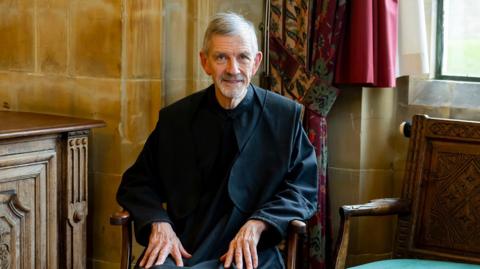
x,y
43,190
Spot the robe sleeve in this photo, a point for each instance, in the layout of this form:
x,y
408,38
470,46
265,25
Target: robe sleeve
x,y
296,198
140,192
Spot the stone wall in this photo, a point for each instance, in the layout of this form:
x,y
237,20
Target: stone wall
x,y
96,59
361,141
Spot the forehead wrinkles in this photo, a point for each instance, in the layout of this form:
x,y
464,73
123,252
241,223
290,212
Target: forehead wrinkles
x,y
230,44
230,52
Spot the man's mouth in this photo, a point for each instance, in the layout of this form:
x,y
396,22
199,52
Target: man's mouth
x,y
233,80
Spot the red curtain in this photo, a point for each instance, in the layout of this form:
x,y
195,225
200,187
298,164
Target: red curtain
x,y
368,50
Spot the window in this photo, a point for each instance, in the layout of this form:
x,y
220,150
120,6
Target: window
x,y
458,40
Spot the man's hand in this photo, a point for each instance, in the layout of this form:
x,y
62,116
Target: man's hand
x,y
163,241
244,246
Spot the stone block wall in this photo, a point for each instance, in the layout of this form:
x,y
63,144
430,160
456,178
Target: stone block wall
x,y
361,135
96,59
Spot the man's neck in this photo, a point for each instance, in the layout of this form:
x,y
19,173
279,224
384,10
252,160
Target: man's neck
x,y
229,103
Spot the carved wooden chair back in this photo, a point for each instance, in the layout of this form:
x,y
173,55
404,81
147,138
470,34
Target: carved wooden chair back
x,y
442,182
439,211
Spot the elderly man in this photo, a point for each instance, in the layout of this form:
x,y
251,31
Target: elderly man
x,y
231,163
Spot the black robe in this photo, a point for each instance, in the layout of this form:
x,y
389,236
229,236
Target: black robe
x,y
215,173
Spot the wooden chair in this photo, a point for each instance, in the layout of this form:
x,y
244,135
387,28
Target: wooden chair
x,y
296,236
439,211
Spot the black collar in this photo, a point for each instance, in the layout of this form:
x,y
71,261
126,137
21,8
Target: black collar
x,y
245,104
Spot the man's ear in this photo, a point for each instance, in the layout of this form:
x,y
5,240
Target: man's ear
x,y
257,60
204,61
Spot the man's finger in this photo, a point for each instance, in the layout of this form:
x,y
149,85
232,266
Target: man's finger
x,y
177,256
238,255
151,248
184,252
162,256
146,255
229,257
253,251
152,257
246,254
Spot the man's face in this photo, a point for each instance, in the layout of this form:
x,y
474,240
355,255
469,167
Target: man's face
x,y
231,64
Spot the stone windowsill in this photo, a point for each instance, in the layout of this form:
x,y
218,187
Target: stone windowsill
x,y
444,93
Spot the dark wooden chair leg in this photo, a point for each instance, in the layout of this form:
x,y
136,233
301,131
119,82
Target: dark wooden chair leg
x,y
123,218
296,236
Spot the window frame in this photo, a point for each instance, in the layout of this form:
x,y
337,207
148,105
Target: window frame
x,y
439,50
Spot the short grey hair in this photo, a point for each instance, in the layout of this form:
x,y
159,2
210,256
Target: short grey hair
x,y
230,24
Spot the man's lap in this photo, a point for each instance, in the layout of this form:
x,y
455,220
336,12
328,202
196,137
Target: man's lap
x,y
269,258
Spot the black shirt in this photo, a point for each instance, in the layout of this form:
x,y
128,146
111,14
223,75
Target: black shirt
x,y
216,150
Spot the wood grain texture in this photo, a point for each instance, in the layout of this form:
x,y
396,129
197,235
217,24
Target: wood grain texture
x,y
18,124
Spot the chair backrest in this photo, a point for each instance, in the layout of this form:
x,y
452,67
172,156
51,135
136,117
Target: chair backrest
x,y
442,181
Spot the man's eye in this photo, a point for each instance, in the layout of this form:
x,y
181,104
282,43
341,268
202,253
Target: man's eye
x,y
244,57
220,58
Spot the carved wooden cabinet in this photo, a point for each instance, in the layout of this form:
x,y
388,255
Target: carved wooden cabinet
x,y
43,190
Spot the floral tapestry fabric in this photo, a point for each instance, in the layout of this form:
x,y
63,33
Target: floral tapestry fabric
x,y
304,37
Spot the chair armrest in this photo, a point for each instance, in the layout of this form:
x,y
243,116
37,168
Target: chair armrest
x,y
378,207
298,227
124,219
120,218
296,234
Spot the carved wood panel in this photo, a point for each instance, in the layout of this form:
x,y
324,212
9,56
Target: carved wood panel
x,y
28,211
75,190
442,181
452,129
450,216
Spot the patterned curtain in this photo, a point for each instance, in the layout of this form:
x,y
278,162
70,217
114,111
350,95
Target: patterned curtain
x,y
303,41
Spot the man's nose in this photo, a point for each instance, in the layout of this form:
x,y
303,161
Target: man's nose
x,y
232,67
